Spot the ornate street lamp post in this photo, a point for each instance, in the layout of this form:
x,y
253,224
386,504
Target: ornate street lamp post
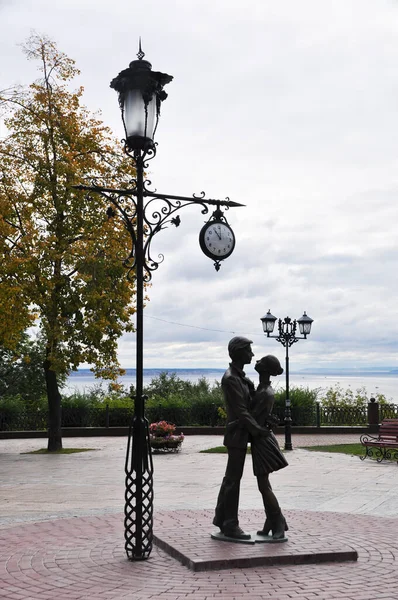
x,y
287,337
144,214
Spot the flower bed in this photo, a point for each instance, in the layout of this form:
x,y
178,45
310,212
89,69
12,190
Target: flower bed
x,y
163,439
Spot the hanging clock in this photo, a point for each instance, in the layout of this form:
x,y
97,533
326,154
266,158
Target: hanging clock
x,y
217,240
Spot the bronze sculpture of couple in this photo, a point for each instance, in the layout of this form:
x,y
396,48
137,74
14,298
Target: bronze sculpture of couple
x,y
249,419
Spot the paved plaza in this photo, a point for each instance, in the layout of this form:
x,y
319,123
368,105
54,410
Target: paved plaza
x,y
61,524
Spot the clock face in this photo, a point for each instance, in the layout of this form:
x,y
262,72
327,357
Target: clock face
x,y
217,240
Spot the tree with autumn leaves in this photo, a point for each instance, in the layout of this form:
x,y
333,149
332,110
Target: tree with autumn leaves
x,y
61,264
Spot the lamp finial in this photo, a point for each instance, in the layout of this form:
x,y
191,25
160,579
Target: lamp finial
x,y
140,54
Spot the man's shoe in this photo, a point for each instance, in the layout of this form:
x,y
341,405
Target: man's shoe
x,y
236,533
218,523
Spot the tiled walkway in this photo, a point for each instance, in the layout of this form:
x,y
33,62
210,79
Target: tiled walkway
x,y
61,525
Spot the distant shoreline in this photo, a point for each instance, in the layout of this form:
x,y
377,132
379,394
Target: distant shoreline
x,y
373,381
371,372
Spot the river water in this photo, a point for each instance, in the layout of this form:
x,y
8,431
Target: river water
x,y
373,382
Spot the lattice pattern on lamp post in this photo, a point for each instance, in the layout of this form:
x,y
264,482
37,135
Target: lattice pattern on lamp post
x,y
139,492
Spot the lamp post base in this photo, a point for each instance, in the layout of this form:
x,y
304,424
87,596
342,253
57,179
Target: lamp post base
x,y
138,511
288,433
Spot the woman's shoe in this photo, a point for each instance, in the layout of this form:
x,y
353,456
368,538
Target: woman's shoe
x,y
279,527
267,527
277,524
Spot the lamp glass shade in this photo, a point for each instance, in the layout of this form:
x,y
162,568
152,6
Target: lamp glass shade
x,y
268,322
140,93
305,323
139,120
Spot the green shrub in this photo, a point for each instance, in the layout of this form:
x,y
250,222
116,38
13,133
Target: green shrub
x,y
172,409
165,385
303,405
22,373
81,400
300,397
15,416
204,411
200,403
337,396
183,402
388,411
118,402
186,403
78,409
11,407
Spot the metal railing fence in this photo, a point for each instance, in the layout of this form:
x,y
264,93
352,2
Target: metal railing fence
x,y
194,414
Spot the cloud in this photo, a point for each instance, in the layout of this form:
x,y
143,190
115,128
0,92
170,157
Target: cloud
x,y
288,108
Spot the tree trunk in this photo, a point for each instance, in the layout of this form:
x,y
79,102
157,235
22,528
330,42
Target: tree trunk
x,y
54,409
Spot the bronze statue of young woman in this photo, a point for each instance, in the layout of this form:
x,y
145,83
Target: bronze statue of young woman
x,y
266,454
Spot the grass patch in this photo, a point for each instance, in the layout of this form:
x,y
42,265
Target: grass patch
x,y
63,451
220,450
352,449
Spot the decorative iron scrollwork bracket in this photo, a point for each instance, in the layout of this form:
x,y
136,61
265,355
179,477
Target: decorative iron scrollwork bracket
x,y
159,212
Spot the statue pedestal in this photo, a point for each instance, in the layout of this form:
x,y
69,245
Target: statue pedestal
x,y
185,535
254,539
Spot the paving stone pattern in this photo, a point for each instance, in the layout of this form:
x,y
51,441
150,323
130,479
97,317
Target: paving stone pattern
x,y
83,558
61,525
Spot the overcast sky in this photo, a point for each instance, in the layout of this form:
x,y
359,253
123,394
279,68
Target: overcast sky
x,y
287,107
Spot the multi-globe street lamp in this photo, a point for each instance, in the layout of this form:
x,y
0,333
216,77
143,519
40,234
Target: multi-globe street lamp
x,y
145,213
287,337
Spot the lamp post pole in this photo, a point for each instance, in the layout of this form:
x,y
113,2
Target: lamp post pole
x,y
288,411
287,337
139,473
145,213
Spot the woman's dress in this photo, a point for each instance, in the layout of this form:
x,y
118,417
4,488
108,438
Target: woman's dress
x,y
267,456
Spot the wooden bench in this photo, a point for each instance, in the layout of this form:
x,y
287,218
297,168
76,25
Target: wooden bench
x,y
385,446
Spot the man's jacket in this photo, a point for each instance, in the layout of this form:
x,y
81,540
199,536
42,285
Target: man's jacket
x,y
238,391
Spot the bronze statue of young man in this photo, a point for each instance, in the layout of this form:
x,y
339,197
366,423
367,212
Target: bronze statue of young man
x,y
238,392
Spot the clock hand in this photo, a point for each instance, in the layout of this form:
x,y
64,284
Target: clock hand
x,y
219,234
